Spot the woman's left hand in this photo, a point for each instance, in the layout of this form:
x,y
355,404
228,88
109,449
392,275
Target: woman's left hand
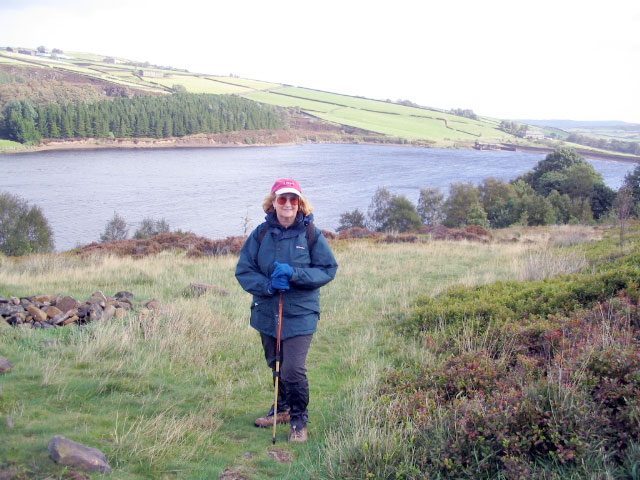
x,y
282,270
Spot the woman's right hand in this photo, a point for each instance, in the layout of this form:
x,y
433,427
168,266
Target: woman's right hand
x,y
280,282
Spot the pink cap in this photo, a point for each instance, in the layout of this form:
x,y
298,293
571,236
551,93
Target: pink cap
x,y
286,185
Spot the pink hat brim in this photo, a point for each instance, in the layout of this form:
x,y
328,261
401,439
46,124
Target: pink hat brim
x,y
287,190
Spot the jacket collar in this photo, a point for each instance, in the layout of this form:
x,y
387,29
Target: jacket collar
x,y
299,225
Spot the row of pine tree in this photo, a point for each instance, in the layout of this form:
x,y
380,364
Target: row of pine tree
x,y
165,116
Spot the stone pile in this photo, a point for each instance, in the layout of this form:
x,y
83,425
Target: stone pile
x,y
50,311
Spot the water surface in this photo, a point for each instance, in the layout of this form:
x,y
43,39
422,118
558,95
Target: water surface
x,y
211,191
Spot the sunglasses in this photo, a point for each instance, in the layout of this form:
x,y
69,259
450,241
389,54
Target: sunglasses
x,y
282,200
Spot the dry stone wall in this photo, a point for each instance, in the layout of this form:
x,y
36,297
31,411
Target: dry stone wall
x,y
55,310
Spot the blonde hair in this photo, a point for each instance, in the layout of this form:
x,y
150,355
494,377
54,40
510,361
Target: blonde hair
x,y
304,206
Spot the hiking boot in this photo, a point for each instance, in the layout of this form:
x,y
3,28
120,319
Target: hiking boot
x,y
267,420
298,435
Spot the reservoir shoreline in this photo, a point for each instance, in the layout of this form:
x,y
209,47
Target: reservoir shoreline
x,y
231,140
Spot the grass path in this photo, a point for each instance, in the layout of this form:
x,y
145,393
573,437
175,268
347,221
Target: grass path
x,y
175,396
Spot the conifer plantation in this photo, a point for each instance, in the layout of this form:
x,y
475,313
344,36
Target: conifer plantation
x,y
173,115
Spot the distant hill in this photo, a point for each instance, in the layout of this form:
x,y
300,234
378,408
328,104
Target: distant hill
x,y
572,124
74,77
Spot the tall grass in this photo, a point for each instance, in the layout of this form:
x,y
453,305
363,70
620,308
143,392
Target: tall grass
x,y
174,393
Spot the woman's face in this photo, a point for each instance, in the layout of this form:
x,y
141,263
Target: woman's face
x,y
286,206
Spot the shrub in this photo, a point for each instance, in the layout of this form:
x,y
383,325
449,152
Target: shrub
x,y
116,229
429,206
23,228
150,228
354,219
400,216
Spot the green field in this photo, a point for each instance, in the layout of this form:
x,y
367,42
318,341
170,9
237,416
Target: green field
x,y
173,395
384,117
177,399
402,122
285,101
199,84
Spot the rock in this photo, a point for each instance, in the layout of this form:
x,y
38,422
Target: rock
x,y
199,289
37,314
6,310
98,298
124,294
72,454
67,303
4,300
17,318
120,312
25,302
61,317
15,300
95,313
46,325
157,306
108,312
281,456
73,319
83,309
53,311
5,365
50,298
235,473
125,303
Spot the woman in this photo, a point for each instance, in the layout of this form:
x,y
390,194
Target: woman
x,y
287,253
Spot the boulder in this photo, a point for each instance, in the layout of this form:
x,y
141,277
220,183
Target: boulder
x,y
98,298
49,298
6,310
37,314
53,311
108,312
67,303
120,312
5,365
19,317
83,309
157,306
4,300
67,452
125,303
73,319
94,313
124,294
58,319
199,289
15,300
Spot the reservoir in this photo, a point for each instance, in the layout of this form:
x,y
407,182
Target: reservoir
x,y
218,192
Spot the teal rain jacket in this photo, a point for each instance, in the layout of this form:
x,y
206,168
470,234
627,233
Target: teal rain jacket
x,y
311,270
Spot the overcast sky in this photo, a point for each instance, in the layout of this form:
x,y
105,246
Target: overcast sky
x,y
547,59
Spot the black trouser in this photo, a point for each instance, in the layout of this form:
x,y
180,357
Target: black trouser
x,y
294,386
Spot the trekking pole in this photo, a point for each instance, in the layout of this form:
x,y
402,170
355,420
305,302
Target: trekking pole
x,y
277,374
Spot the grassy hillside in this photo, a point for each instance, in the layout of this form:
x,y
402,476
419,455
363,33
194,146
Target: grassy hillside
x,y
173,395
88,77
404,122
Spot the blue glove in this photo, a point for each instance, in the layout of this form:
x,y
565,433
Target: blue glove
x,y
280,283
282,270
